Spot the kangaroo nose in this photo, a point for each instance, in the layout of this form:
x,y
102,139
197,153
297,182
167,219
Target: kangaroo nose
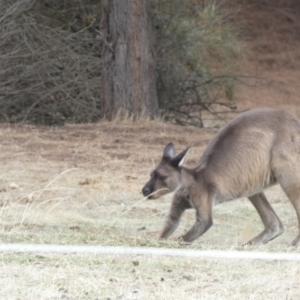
x,y
146,191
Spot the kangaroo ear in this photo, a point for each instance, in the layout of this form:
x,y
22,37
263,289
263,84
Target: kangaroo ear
x,y
179,159
169,152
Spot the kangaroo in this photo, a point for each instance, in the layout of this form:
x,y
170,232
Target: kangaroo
x,y
256,150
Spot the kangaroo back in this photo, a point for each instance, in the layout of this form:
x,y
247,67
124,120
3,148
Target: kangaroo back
x,y
247,154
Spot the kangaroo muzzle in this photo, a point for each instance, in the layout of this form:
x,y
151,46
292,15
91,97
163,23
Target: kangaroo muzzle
x,y
146,191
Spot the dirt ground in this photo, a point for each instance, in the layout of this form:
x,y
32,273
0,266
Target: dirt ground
x,y
271,31
81,184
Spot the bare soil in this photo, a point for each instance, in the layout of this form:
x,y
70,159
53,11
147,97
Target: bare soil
x,y
271,32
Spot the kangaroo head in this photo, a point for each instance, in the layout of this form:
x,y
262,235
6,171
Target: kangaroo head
x,y
166,177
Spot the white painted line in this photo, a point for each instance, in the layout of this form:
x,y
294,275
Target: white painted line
x,y
216,254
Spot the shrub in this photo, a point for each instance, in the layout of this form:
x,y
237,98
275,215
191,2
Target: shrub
x,y
197,45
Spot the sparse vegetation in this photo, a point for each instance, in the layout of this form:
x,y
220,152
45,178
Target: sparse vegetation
x,y
80,184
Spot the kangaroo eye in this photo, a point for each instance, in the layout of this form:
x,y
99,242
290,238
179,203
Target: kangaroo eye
x,y
162,178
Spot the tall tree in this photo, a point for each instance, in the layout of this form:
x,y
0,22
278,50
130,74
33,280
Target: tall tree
x,y
128,80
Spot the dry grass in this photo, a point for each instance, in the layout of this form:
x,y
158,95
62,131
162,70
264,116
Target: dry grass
x,y
120,277
80,184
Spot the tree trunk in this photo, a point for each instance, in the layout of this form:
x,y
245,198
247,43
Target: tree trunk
x,y
128,78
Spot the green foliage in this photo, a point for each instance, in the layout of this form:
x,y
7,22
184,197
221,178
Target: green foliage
x,y
197,45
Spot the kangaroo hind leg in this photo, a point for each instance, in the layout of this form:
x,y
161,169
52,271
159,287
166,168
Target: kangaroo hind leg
x,y
292,190
272,224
